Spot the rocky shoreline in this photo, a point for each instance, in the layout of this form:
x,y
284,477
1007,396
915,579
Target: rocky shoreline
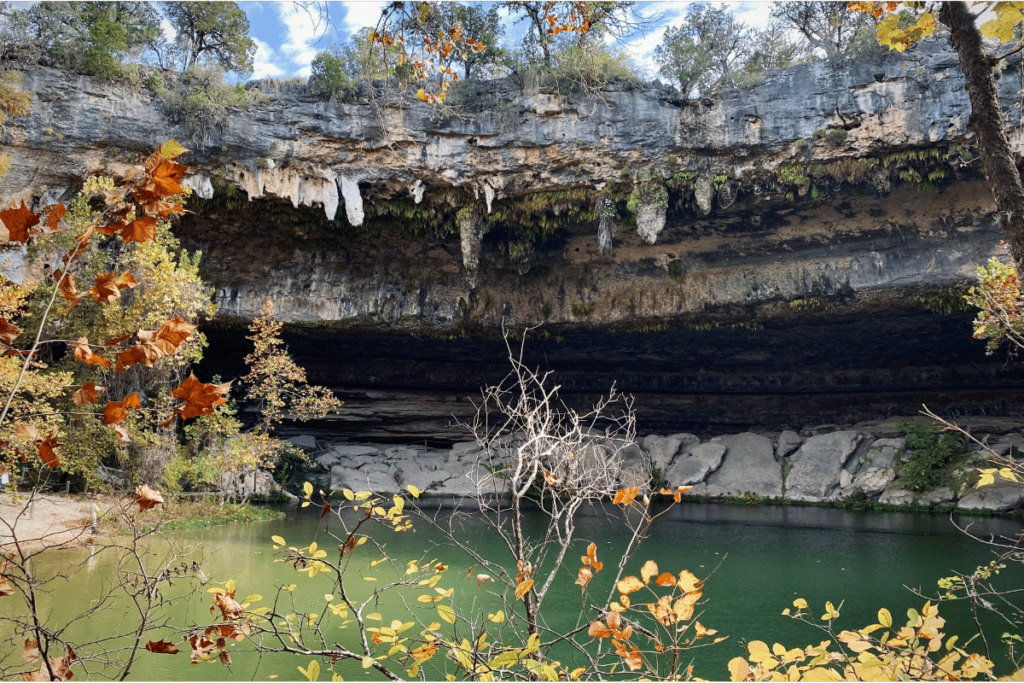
x,y
820,464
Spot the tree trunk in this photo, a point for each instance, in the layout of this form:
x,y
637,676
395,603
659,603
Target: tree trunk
x,y
987,122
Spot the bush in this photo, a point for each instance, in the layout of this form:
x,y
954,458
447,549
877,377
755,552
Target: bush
x,y
200,99
931,452
329,80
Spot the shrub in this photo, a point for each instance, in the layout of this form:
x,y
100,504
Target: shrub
x,y
931,452
200,99
329,80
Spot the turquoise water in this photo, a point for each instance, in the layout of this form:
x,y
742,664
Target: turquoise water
x,y
766,557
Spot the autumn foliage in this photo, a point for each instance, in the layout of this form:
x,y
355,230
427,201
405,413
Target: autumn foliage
x,y
132,213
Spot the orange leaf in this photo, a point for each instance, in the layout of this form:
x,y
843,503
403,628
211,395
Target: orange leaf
x,y
18,221
114,341
598,629
87,394
80,246
161,647
84,353
666,579
148,498
48,451
142,353
175,331
523,588
53,214
324,510
584,577
142,229
66,285
625,496
229,607
115,411
108,286
199,398
8,332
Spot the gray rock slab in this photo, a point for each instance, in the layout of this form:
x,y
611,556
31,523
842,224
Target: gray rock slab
x,y
996,497
354,451
942,496
696,465
686,441
361,460
303,441
787,442
749,466
327,460
662,450
465,448
815,467
424,480
377,481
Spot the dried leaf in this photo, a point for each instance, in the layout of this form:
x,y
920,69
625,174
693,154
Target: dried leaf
x,y
161,647
108,286
200,398
628,585
8,332
19,220
47,450
53,214
115,411
83,352
87,394
523,588
148,498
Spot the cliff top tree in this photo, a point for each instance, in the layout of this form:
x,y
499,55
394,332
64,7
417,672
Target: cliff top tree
x,y
827,26
93,37
904,24
212,33
705,52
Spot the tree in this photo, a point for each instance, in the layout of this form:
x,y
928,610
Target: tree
x,y
828,26
705,52
771,48
483,24
900,31
212,33
93,37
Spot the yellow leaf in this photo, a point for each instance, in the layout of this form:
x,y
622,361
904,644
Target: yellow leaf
x,y
758,651
628,585
348,494
375,616
649,570
425,598
738,669
498,617
172,149
305,504
311,672
800,603
414,491
885,618
446,613
278,540
255,597
368,662
308,488
523,588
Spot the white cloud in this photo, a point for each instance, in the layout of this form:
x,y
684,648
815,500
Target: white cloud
x,y
170,33
360,14
264,65
302,31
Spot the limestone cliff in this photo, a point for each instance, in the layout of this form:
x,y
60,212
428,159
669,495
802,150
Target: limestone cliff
x,y
828,197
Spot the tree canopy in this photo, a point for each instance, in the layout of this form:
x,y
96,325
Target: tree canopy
x,y
212,34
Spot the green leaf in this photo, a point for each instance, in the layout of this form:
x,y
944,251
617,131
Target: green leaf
x,y
173,149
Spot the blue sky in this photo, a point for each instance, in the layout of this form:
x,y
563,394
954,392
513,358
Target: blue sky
x,y
288,37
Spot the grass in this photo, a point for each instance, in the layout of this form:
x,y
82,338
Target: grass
x,y
187,515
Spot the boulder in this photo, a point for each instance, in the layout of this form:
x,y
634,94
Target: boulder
x,y
1000,497
749,467
247,484
872,480
696,465
787,442
815,467
662,450
303,441
634,467
686,441
894,495
943,495
883,453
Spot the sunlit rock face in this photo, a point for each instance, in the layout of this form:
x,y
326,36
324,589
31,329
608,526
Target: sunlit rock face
x,y
771,256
